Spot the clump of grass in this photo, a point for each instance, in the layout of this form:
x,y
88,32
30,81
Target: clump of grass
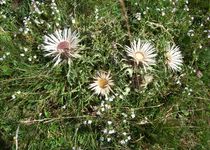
x,y
45,107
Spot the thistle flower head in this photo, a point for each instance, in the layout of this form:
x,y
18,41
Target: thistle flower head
x,y
62,45
173,57
102,83
142,52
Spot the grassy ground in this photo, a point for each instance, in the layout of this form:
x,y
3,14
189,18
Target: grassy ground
x,y
52,108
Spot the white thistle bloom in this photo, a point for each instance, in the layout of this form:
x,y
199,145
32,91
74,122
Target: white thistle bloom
x,y
173,57
62,45
102,84
142,53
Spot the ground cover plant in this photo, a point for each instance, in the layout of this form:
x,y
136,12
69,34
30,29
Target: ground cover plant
x,y
104,74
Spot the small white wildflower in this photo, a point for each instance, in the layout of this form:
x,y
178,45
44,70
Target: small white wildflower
x,y
29,59
73,21
102,109
89,122
109,122
35,56
63,107
145,121
21,29
111,131
108,139
178,82
133,115
111,99
124,133
124,115
98,113
138,16
85,122
22,54
96,10
124,121
129,137
200,46
57,11
105,131
127,90
13,96
158,9
7,53
122,142
57,24
107,106
27,30
96,17
174,10
18,92
25,49
102,103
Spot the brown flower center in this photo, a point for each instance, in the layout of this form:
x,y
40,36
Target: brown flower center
x,y
139,56
102,83
64,49
63,45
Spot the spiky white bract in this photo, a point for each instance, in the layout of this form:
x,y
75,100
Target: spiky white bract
x,y
174,58
62,45
102,83
142,52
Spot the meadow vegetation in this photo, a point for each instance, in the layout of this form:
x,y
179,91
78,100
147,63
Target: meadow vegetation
x,y
43,106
